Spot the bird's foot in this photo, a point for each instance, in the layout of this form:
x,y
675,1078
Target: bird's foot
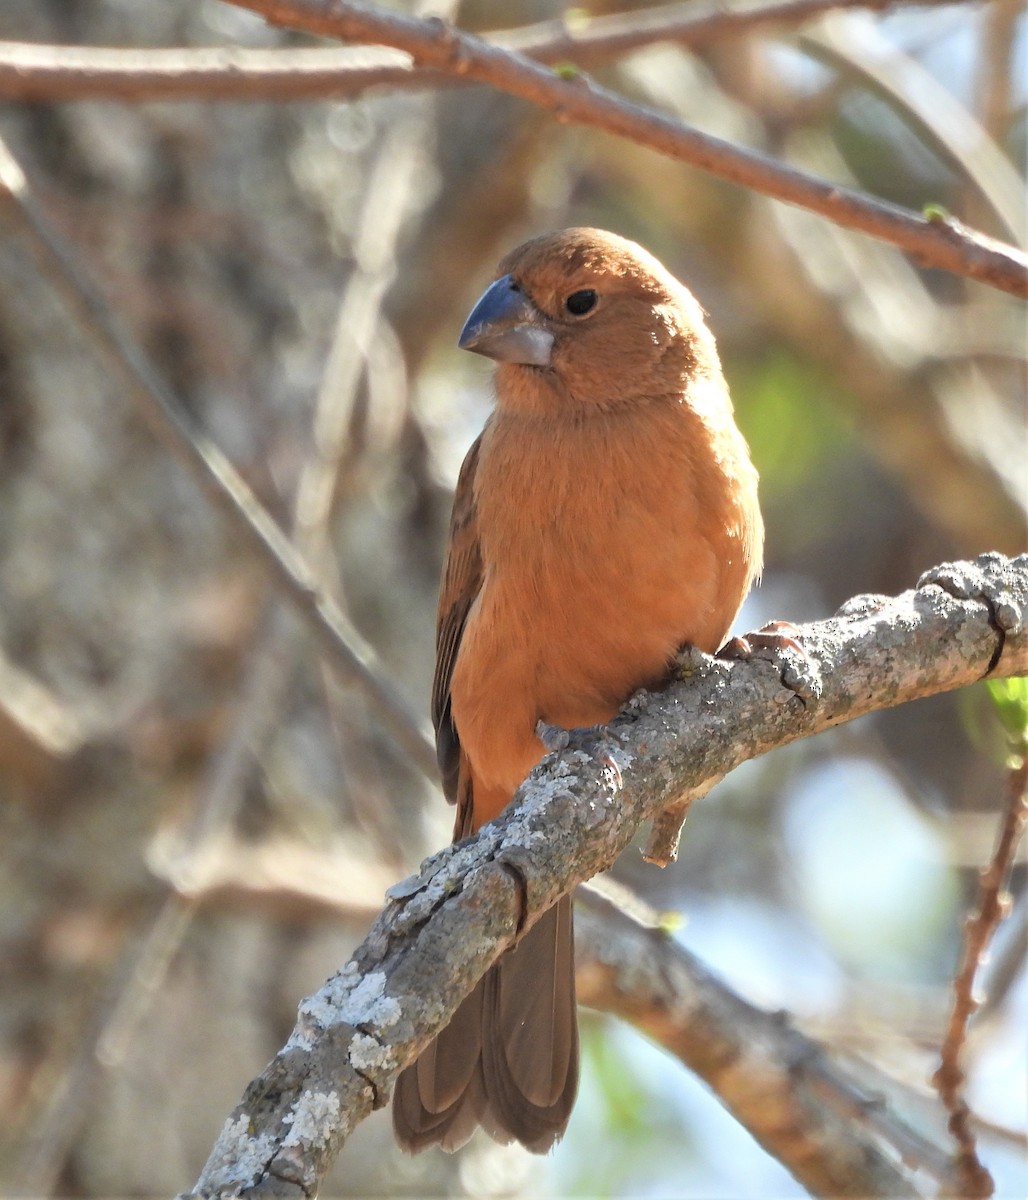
x,y
777,641
774,636
586,739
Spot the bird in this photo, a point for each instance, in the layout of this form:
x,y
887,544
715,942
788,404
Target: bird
x,y
606,516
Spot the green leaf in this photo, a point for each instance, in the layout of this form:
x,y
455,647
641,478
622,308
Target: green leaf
x,y
671,921
936,212
1010,703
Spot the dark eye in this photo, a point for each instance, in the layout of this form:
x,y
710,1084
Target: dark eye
x,y
579,303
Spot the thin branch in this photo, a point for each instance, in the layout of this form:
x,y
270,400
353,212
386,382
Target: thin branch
x,y
221,482
54,74
384,207
903,391
29,71
973,1180
934,241
570,820
835,1137
591,41
38,731
998,44
860,48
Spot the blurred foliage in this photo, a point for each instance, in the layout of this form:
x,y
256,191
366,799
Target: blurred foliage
x,y
632,1139
1010,700
799,443
995,716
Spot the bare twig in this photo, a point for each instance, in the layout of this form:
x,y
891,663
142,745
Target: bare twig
x,y
385,204
330,474
933,241
972,1178
918,96
54,74
570,820
221,482
29,71
38,732
994,103
993,91
913,404
589,41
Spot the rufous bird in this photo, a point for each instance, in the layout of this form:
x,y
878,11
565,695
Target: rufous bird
x,y
606,516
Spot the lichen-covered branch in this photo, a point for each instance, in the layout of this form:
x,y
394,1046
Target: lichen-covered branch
x,y
442,928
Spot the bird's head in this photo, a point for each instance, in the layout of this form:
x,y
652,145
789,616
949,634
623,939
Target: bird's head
x,y
592,316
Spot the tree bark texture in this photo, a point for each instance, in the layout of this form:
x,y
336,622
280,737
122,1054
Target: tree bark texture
x,y
577,811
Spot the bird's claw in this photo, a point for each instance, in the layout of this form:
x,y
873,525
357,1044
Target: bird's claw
x,y
779,639
583,739
775,636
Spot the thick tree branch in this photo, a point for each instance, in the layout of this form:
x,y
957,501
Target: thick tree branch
x,y
940,243
30,71
571,819
836,1138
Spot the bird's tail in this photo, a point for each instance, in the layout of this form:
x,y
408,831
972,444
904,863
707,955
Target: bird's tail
x,y
508,1060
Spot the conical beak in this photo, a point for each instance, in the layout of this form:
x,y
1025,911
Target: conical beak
x,y
507,326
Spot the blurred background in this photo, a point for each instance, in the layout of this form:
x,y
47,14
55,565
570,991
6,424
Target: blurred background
x,y
198,820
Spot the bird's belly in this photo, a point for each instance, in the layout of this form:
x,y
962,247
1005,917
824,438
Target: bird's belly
x,y
566,635
622,540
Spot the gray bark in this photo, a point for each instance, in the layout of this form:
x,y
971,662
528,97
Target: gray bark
x,y
574,815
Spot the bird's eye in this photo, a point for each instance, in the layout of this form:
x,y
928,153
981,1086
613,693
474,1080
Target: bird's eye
x,y
579,303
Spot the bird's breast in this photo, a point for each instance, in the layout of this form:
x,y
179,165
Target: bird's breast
x,y
606,543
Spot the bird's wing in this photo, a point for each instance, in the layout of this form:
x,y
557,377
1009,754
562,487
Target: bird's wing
x,y
462,579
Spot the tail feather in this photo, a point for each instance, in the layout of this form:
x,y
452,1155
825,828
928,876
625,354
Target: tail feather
x,y
508,1060
448,1065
